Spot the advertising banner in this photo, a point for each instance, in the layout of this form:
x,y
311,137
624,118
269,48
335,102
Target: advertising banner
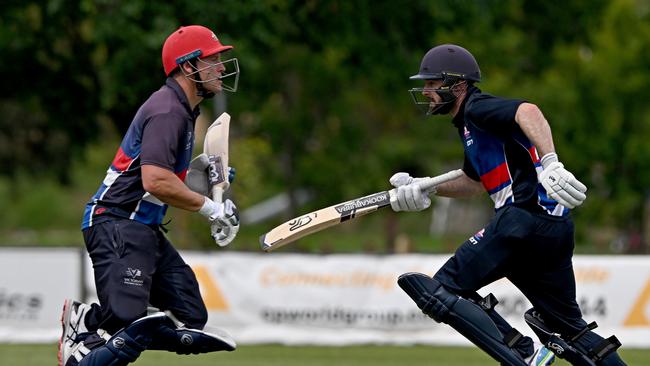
x,y
33,285
344,299
317,299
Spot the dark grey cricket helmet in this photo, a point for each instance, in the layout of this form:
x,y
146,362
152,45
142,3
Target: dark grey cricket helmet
x,y
452,64
448,60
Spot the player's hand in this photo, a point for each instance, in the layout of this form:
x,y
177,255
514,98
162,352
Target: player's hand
x,y
560,184
197,175
407,195
224,220
225,228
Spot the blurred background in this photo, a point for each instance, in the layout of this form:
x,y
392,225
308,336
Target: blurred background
x,y
322,114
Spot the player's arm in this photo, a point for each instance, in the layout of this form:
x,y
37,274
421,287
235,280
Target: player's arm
x,y
467,185
160,139
410,195
532,122
558,182
460,187
167,187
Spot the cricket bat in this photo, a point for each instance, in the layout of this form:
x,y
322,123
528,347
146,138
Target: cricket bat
x,y
312,222
215,146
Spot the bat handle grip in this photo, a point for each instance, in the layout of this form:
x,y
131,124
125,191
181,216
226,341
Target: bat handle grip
x,y
217,194
430,184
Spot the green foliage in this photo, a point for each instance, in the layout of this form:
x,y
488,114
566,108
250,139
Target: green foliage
x,y
322,101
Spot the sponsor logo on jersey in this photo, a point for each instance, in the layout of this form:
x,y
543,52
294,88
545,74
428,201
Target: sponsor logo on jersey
x,y
468,136
188,144
131,277
477,237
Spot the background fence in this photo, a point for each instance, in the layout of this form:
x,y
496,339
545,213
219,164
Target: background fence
x,y
315,299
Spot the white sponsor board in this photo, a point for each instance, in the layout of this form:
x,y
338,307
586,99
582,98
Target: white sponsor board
x,y
323,300
33,284
345,299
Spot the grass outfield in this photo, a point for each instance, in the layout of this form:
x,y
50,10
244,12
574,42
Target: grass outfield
x,y
273,355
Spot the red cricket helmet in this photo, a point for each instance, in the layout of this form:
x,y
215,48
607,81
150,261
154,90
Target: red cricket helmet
x,y
187,43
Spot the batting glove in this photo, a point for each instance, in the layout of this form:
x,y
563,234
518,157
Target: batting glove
x,y
197,175
560,184
224,219
407,195
225,228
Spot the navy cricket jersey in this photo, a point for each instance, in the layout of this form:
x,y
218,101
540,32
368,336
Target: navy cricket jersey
x,y
499,155
161,134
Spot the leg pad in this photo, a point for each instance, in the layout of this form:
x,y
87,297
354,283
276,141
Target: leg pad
x,y
468,318
575,351
126,344
192,341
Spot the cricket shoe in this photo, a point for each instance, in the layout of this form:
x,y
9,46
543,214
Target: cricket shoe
x,y
541,357
72,322
86,342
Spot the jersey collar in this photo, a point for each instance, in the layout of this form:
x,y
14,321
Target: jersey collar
x,y
459,119
173,84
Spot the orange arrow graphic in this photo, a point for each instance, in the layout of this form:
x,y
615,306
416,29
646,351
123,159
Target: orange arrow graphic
x,y
637,316
212,296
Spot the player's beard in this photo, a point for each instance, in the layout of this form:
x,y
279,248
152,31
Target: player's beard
x,y
444,106
215,86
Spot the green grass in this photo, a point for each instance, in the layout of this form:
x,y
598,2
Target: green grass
x,y
275,355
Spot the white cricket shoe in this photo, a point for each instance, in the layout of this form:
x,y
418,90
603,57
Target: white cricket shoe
x,y
72,322
541,357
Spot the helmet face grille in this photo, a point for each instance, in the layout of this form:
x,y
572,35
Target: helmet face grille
x,y
228,76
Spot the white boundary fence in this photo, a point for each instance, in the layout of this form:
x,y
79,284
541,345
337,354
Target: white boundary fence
x,y
312,299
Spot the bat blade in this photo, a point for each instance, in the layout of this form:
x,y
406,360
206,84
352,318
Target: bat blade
x,y
215,146
313,222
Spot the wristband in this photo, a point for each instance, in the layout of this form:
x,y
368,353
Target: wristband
x,y
549,158
207,209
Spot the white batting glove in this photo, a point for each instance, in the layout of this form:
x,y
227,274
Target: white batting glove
x,y
560,184
224,219
407,195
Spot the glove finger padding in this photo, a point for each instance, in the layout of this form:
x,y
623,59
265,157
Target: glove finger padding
x,y
574,192
401,198
411,194
400,179
577,185
231,210
562,186
409,198
231,234
565,199
421,200
226,227
226,235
